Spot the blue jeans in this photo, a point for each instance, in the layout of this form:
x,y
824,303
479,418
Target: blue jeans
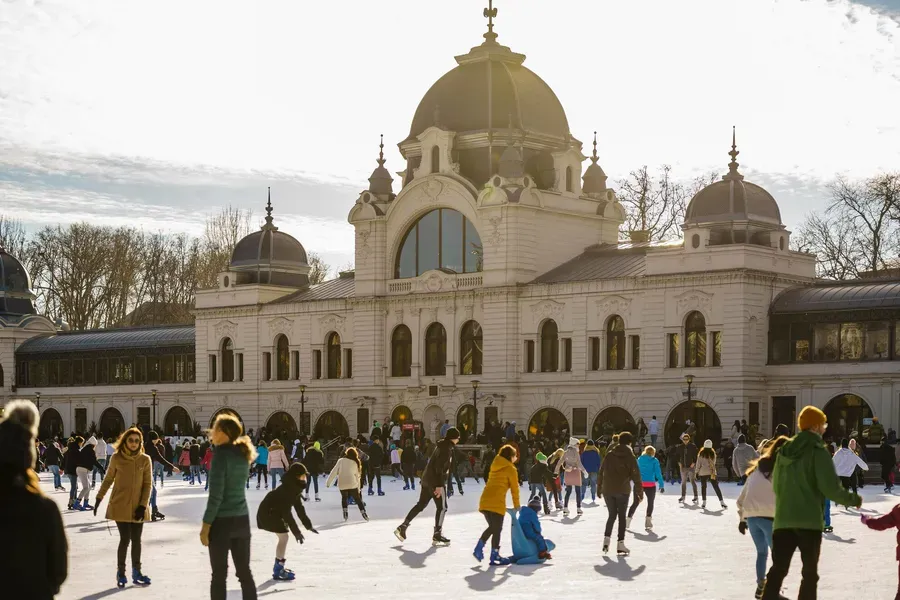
x,y
73,491
315,482
653,440
827,512
102,461
761,532
589,482
57,482
153,498
274,474
195,472
159,470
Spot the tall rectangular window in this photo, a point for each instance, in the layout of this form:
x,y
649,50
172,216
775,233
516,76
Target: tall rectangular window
x,y
65,372
801,342
567,354
317,367
143,415
167,368
77,372
826,338
240,366
189,372
635,352
897,340
90,371
349,362
851,341
362,420
81,420
295,363
140,369
672,347
267,366
102,371
429,241
179,368
595,353
152,369
579,421
451,240
53,372
878,341
717,349
213,371
126,370
529,356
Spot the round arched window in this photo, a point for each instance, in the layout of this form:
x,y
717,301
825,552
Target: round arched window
x,y
441,239
695,241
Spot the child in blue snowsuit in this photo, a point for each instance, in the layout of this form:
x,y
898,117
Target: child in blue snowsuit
x,y
529,545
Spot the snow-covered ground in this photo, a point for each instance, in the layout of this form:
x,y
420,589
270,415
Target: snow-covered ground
x,y
691,553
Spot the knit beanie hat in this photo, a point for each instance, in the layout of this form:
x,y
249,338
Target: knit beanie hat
x,y
707,444
541,457
452,434
573,441
810,417
535,503
297,470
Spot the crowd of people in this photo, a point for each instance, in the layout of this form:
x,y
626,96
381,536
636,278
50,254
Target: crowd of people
x,y
787,484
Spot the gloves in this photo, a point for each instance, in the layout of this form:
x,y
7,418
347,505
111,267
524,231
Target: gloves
x,y
662,490
313,529
139,513
97,504
204,534
299,538
544,555
863,518
742,527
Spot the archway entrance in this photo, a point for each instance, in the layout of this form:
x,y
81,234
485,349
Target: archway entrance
x,y
282,426
548,423
706,424
225,411
51,424
849,416
612,420
465,422
178,422
112,424
401,414
330,425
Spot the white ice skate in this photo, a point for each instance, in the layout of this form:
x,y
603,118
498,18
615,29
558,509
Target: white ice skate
x,y
565,512
621,550
648,523
605,545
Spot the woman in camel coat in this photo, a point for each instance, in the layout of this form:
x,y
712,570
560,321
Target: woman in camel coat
x,y
130,476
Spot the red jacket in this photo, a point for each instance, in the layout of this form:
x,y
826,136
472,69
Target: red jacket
x,y
892,519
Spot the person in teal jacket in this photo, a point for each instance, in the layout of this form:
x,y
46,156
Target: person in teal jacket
x,y
262,461
651,475
226,522
803,477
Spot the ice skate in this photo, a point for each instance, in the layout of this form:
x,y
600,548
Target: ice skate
x,y
579,511
279,573
380,493
371,492
405,487
694,500
724,506
317,497
605,545
681,500
496,559
478,553
828,529
257,486
139,578
648,523
566,512
703,505
365,515
400,532
346,515
621,550
438,539
628,523
759,589
121,580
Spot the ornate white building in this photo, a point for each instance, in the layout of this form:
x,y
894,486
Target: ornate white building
x,y
495,272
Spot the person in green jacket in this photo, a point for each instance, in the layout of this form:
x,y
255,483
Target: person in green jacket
x,y
803,477
226,522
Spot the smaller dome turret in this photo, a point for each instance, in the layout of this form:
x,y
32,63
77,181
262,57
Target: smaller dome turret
x,y
381,182
16,297
594,177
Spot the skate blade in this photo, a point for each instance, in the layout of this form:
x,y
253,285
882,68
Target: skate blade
x,y
434,543
398,536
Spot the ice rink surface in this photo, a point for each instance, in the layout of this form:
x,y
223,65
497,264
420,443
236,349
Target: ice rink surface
x,y
691,553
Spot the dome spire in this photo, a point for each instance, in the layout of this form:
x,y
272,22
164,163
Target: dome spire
x,y
380,182
269,219
594,178
490,13
594,156
733,165
381,150
511,164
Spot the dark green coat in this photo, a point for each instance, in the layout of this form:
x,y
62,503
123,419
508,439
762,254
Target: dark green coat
x,y
227,484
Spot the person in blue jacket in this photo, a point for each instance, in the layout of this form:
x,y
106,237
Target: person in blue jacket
x,y
590,460
651,475
529,545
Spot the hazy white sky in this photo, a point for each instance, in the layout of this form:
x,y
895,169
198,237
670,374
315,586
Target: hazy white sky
x,y
157,113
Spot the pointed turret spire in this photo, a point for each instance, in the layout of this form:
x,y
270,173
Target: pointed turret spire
x,y
733,165
594,178
381,181
594,156
269,220
490,14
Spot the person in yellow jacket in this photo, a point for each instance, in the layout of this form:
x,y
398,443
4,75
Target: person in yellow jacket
x,y
129,475
504,478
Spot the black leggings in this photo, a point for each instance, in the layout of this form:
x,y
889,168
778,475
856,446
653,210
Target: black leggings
x,y
886,475
352,493
715,485
409,474
616,505
849,483
129,533
650,496
262,472
426,497
494,528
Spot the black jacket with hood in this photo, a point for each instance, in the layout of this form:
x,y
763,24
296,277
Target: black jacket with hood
x,y
438,467
274,513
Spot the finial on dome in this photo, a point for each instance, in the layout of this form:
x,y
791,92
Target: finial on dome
x,y
381,181
594,156
381,159
269,208
490,13
733,165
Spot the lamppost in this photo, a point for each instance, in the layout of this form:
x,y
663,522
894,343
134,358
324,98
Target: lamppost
x,y
153,404
690,380
475,383
37,401
302,409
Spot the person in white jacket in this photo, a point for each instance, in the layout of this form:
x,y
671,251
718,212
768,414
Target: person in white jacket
x,y
100,453
347,472
756,508
845,463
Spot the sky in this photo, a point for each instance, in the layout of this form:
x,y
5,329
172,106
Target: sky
x,y
155,114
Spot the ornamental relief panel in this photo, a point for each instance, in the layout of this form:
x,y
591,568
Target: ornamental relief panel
x,y
280,325
614,305
694,300
547,309
225,329
333,322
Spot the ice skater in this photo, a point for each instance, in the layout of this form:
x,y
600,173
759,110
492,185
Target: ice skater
x,y
705,469
262,463
432,487
535,549
130,476
155,453
347,474
504,479
651,476
888,521
572,472
618,470
540,480
274,515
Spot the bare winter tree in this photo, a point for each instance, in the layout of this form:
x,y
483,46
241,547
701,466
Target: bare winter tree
x,y
221,234
318,268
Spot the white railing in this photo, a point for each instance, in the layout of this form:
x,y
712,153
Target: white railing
x,y
429,283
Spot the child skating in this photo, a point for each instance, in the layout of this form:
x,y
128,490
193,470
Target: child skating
x,y
347,473
533,549
274,515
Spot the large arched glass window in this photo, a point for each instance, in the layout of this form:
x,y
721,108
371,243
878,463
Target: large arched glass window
x,y
333,345
227,360
282,358
695,340
470,345
549,346
441,239
615,343
435,350
401,352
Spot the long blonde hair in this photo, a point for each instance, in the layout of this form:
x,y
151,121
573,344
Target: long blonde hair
x,y
230,426
120,445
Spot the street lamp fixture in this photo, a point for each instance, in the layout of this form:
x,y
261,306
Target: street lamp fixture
x,y
475,383
37,401
153,404
690,380
303,409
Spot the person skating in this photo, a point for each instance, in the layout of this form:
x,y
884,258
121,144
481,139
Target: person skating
x,y
618,471
87,462
315,465
100,452
53,458
34,552
651,476
206,463
432,487
686,455
552,463
130,476
845,463
195,457
705,469
277,462
804,476
539,548
540,479
571,470
504,479
458,460
347,474
262,464
888,521
408,465
590,459
226,521
886,457
152,450
756,507
376,462
743,455
274,515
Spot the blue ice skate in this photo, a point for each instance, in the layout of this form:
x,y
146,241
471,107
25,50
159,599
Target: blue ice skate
x,y
139,578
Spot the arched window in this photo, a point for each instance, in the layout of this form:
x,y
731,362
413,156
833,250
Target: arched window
x,y
441,239
435,350
178,422
470,345
333,345
111,423
695,336
227,360
282,358
615,343
435,159
401,352
569,185
549,347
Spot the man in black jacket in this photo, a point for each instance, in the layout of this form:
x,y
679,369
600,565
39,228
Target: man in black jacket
x,y
376,461
687,458
152,450
433,478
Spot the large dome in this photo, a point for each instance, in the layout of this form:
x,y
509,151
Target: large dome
x,y
16,297
458,101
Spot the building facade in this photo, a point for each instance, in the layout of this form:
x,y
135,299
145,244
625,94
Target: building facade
x,y
495,276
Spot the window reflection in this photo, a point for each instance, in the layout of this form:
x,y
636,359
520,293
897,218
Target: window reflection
x,y
695,331
826,341
441,239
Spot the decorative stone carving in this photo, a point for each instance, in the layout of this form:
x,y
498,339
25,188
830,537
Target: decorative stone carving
x,y
362,245
434,313
435,281
470,313
333,322
225,329
280,325
545,309
693,300
451,309
614,305
547,394
279,400
431,190
495,237
399,314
